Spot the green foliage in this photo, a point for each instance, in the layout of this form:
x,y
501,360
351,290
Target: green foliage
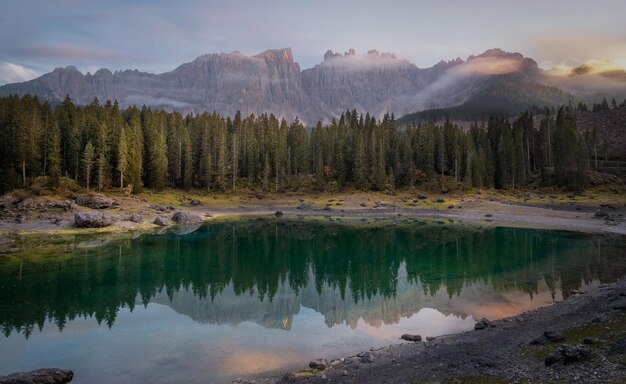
x,y
159,149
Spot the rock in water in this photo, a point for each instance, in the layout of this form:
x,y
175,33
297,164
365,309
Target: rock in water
x,y
39,376
186,218
93,219
94,201
408,337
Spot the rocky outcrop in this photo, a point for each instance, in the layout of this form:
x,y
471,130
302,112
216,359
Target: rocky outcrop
x,y
39,376
93,219
94,201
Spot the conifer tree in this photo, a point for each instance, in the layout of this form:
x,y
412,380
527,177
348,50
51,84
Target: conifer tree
x,y
88,161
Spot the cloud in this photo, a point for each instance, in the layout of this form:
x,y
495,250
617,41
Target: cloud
x,y
15,73
490,66
572,49
67,52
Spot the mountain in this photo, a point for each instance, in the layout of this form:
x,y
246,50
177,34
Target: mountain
x,y
373,82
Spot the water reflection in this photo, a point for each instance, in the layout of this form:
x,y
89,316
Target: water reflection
x,y
265,272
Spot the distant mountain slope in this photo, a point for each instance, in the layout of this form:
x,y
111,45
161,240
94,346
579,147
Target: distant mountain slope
x,y
271,82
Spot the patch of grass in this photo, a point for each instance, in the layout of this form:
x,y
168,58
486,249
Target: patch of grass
x,y
607,333
306,373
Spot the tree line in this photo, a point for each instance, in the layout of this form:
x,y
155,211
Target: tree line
x,y
101,146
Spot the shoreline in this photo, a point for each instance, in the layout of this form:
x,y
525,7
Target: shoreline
x,y
495,354
515,349
41,218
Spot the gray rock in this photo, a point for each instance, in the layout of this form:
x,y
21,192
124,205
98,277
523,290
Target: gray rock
x,y
136,218
552,358
288,378
601,214
94,201
27,204
319,364
186,218
441,200
93,219
161,221
548,337
9,250
278,213
591,340
39,376
574,353
618,348
408,337
479,326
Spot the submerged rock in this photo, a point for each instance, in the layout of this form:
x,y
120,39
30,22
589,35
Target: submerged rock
x,y
39,376
93,219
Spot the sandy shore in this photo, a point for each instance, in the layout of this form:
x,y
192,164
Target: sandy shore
x,y
40,215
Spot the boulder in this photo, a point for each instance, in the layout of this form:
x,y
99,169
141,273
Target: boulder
x,y
136,218
319,364
93,219
39,376
94,201
574,353
618,348
552,359
186,218
415,338
548,337
161,221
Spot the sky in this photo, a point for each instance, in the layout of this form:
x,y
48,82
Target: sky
x,y
156,36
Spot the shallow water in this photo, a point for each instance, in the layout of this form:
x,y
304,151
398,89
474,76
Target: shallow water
x,y
232,300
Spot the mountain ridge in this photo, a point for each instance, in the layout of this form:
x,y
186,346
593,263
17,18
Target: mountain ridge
x,y
272,82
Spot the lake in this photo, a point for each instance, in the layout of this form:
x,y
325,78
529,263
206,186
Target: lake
x,y
260,297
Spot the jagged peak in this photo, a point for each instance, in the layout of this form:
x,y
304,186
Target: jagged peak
x,y
352,54
69,68
271,53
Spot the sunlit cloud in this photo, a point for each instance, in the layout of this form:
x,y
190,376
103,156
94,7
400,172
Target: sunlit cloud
x,y
67,52
14,73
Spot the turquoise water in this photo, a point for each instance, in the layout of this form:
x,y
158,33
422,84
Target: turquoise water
x,y
261,297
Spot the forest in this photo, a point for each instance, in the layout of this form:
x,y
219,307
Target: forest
x,y
100,146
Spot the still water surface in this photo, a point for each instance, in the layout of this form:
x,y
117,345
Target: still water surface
x,y
232,300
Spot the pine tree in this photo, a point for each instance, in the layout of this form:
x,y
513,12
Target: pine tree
x,y
54,154
88,161
122,155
